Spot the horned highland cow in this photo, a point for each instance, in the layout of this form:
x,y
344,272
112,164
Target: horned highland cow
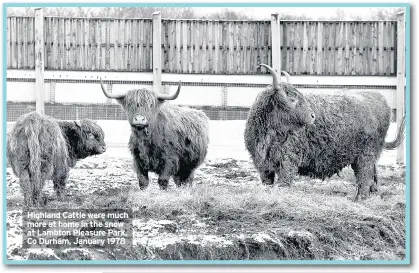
x,y
288,133
41,148
166,139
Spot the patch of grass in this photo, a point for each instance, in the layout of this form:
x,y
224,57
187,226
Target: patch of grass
x,y
311,219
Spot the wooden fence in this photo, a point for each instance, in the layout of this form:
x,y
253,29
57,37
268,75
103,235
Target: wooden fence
x,y
206,46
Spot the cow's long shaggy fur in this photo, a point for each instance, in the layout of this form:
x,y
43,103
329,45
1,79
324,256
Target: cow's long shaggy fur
x,y
174,144
348,130
41,148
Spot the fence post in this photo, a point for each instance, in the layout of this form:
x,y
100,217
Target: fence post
x,y
157,52
401,80
276,43
39,60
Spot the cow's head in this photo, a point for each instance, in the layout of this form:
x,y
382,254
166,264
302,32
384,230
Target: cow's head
x,y
141,105
90,137
289,104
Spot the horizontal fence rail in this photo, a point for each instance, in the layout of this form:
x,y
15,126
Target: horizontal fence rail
x,y
206,46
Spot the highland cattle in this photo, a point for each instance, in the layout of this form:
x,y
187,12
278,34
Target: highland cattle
x,y
317,135
166,139
40,147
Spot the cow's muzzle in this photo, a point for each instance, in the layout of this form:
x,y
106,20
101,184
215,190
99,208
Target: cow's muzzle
x,y
139,122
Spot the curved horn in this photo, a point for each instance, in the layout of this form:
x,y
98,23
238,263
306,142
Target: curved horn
x,y
287,76
275,82
170,96
110,95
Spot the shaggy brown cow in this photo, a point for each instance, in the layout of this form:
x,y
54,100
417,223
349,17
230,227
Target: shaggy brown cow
x,y
166,139
288,133
41,148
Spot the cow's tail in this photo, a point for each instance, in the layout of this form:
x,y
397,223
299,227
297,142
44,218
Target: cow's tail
x,y
400,136
32,133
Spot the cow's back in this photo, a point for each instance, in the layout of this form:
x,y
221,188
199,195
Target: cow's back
x,y
346,127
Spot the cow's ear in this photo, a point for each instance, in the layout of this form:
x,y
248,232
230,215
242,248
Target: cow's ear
x,y
78,123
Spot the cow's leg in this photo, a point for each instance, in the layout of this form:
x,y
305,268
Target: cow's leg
x,y
59,179
286,170
140,170
142,175
267,176
168,171
184,177
163,181
364,174
26,187
37,186
32,189
374,186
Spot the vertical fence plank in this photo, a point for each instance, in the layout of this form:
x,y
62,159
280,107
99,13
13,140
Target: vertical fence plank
x,y
210,44
361,43
107,45
306,29
387,48
393,48
297,47
230,45
101,57
54,43
401,73
223,40
96,44
178,66
353,50
325,49
339,49
217,46
141,46
13,42
319,48
73,44
374,48
381,48
9,42
157,86
19,41
368,48
312,48
184,59
112,46
332,48
67,44
39,60
203,45
31,43
24,43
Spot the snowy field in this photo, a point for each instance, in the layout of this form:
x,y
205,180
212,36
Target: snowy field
x,y
226,140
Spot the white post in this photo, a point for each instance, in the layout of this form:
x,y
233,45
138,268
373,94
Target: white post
x,y
157,52
39,60
401,79
276,43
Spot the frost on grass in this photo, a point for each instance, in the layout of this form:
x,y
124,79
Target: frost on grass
x,y
228,214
